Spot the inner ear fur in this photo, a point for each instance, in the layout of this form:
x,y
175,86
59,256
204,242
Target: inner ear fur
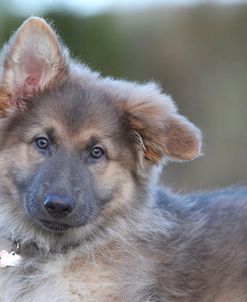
x,y
33,60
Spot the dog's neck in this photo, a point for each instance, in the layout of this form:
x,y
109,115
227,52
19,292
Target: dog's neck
x,y
30,249
15,256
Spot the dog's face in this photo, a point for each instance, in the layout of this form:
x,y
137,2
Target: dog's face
x,y
69,157
76,150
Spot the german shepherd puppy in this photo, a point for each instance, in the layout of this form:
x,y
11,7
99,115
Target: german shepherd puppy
x,y
79,206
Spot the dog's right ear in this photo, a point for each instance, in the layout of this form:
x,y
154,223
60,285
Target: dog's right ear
x,y
32,61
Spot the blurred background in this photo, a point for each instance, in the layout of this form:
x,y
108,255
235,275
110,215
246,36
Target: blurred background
x,y
197,51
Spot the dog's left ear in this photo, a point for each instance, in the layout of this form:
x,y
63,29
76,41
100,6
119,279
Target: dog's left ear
x,y
33,60
157,129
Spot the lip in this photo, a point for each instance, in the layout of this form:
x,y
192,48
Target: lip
x,y
54,226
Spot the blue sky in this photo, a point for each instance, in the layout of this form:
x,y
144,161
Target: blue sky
x,y
96,6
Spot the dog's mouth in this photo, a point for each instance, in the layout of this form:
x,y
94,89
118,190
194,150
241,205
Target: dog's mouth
x,y
54,226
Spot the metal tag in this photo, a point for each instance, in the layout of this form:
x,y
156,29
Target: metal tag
x,y
9,259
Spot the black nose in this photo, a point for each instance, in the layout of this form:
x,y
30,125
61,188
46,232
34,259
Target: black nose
x,y
58,206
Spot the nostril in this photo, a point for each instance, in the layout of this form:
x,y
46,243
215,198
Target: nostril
x,y
58,206
50,207
66,211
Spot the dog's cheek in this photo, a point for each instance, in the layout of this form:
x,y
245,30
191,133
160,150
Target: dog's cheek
x,y
26,161
18,165
115,188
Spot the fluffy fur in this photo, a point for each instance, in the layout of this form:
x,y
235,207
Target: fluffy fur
x,y
127,240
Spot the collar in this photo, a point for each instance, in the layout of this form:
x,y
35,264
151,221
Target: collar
x,y
31,248
20,252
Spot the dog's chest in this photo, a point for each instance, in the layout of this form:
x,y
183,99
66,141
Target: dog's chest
x,y
94,279
110,275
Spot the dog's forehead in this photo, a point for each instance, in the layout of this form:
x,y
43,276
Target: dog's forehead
x,y
80,113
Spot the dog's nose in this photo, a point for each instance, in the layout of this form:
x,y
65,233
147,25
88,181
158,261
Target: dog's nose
x,y
59,206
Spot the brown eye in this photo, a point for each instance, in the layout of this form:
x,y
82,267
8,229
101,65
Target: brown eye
x,y
97,152
42,143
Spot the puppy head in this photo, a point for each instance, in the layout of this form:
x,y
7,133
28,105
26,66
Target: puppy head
x,y
76,150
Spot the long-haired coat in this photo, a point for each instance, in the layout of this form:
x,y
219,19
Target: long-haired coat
x,y
78,201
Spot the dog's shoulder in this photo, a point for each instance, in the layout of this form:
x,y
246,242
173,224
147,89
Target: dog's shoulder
x,y
234,197
208,232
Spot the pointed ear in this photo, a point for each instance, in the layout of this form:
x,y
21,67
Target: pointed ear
x,y
32,61
157,129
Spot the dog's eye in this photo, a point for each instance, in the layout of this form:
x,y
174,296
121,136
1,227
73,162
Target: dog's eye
x,y
97,152
42,142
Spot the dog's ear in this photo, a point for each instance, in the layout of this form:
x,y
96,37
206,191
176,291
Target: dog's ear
x,y
157,129
33,60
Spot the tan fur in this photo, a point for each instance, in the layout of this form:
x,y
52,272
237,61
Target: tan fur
x,y
4,97
103,273
138,243
177,140
98,270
